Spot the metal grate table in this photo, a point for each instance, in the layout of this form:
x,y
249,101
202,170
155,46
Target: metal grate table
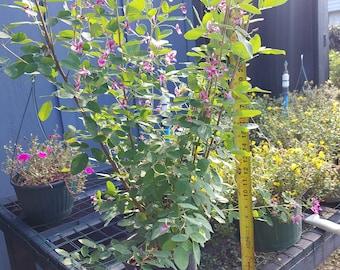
x,y
33,247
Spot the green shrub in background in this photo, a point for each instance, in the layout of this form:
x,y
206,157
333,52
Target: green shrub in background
x,y
334,37
334,67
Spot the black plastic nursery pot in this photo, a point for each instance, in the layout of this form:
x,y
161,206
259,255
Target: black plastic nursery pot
x,y
44,204
277,237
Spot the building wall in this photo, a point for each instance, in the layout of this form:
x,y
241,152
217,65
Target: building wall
x,y
334,11
334,18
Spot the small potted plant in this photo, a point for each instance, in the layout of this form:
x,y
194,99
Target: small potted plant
x,y
42,179
284,181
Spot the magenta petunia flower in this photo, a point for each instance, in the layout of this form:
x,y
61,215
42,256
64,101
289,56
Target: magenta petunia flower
x,y
296,220
42,154
24,157
89,170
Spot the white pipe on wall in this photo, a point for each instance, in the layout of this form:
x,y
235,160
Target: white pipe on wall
x,y
323,224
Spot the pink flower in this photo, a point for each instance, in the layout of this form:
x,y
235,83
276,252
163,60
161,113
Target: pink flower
x,y
127,25
204,96
93,199
27,11
42,154
178,29
50,149
24,157
100,2
77,83
111,44
212,28
124,102
89,170
161,78
77,47
84,72
228,96
316,207
189,119
183,9
164,226
147,66
170,57
176,91
101,61
296,220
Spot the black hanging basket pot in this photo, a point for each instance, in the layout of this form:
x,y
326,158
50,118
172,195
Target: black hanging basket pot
x,y
45,203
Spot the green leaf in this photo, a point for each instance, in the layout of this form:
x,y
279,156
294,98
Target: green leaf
x,y
271,51
98,155
272,3
31,68
19,37
195,33
160,168
135,7
179,238
30,49
247,113
165,7
198,237
4,35
241,153
111,188
4,60
88,243
188,206
45,111
79,163
84,251
62,252
203,164
204,132
250,8
69,34
112,25
94,106
51,21
197,253
69,64
181,258
141,29
256,42
91,126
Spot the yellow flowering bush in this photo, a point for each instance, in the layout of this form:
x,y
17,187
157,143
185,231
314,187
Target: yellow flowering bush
x,y
283,179
312,116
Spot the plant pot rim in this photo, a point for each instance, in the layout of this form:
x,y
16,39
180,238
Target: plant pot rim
x,y
14,183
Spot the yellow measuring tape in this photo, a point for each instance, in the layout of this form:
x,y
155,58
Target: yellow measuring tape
x,y
243,176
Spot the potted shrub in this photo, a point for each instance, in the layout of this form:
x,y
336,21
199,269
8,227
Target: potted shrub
x,y
42,179
158,126
284,181
313,117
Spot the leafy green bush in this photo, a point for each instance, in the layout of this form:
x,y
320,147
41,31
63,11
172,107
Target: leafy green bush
x,y
313,116
334,37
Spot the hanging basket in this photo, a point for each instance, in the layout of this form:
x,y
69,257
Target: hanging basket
x,y
46,203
